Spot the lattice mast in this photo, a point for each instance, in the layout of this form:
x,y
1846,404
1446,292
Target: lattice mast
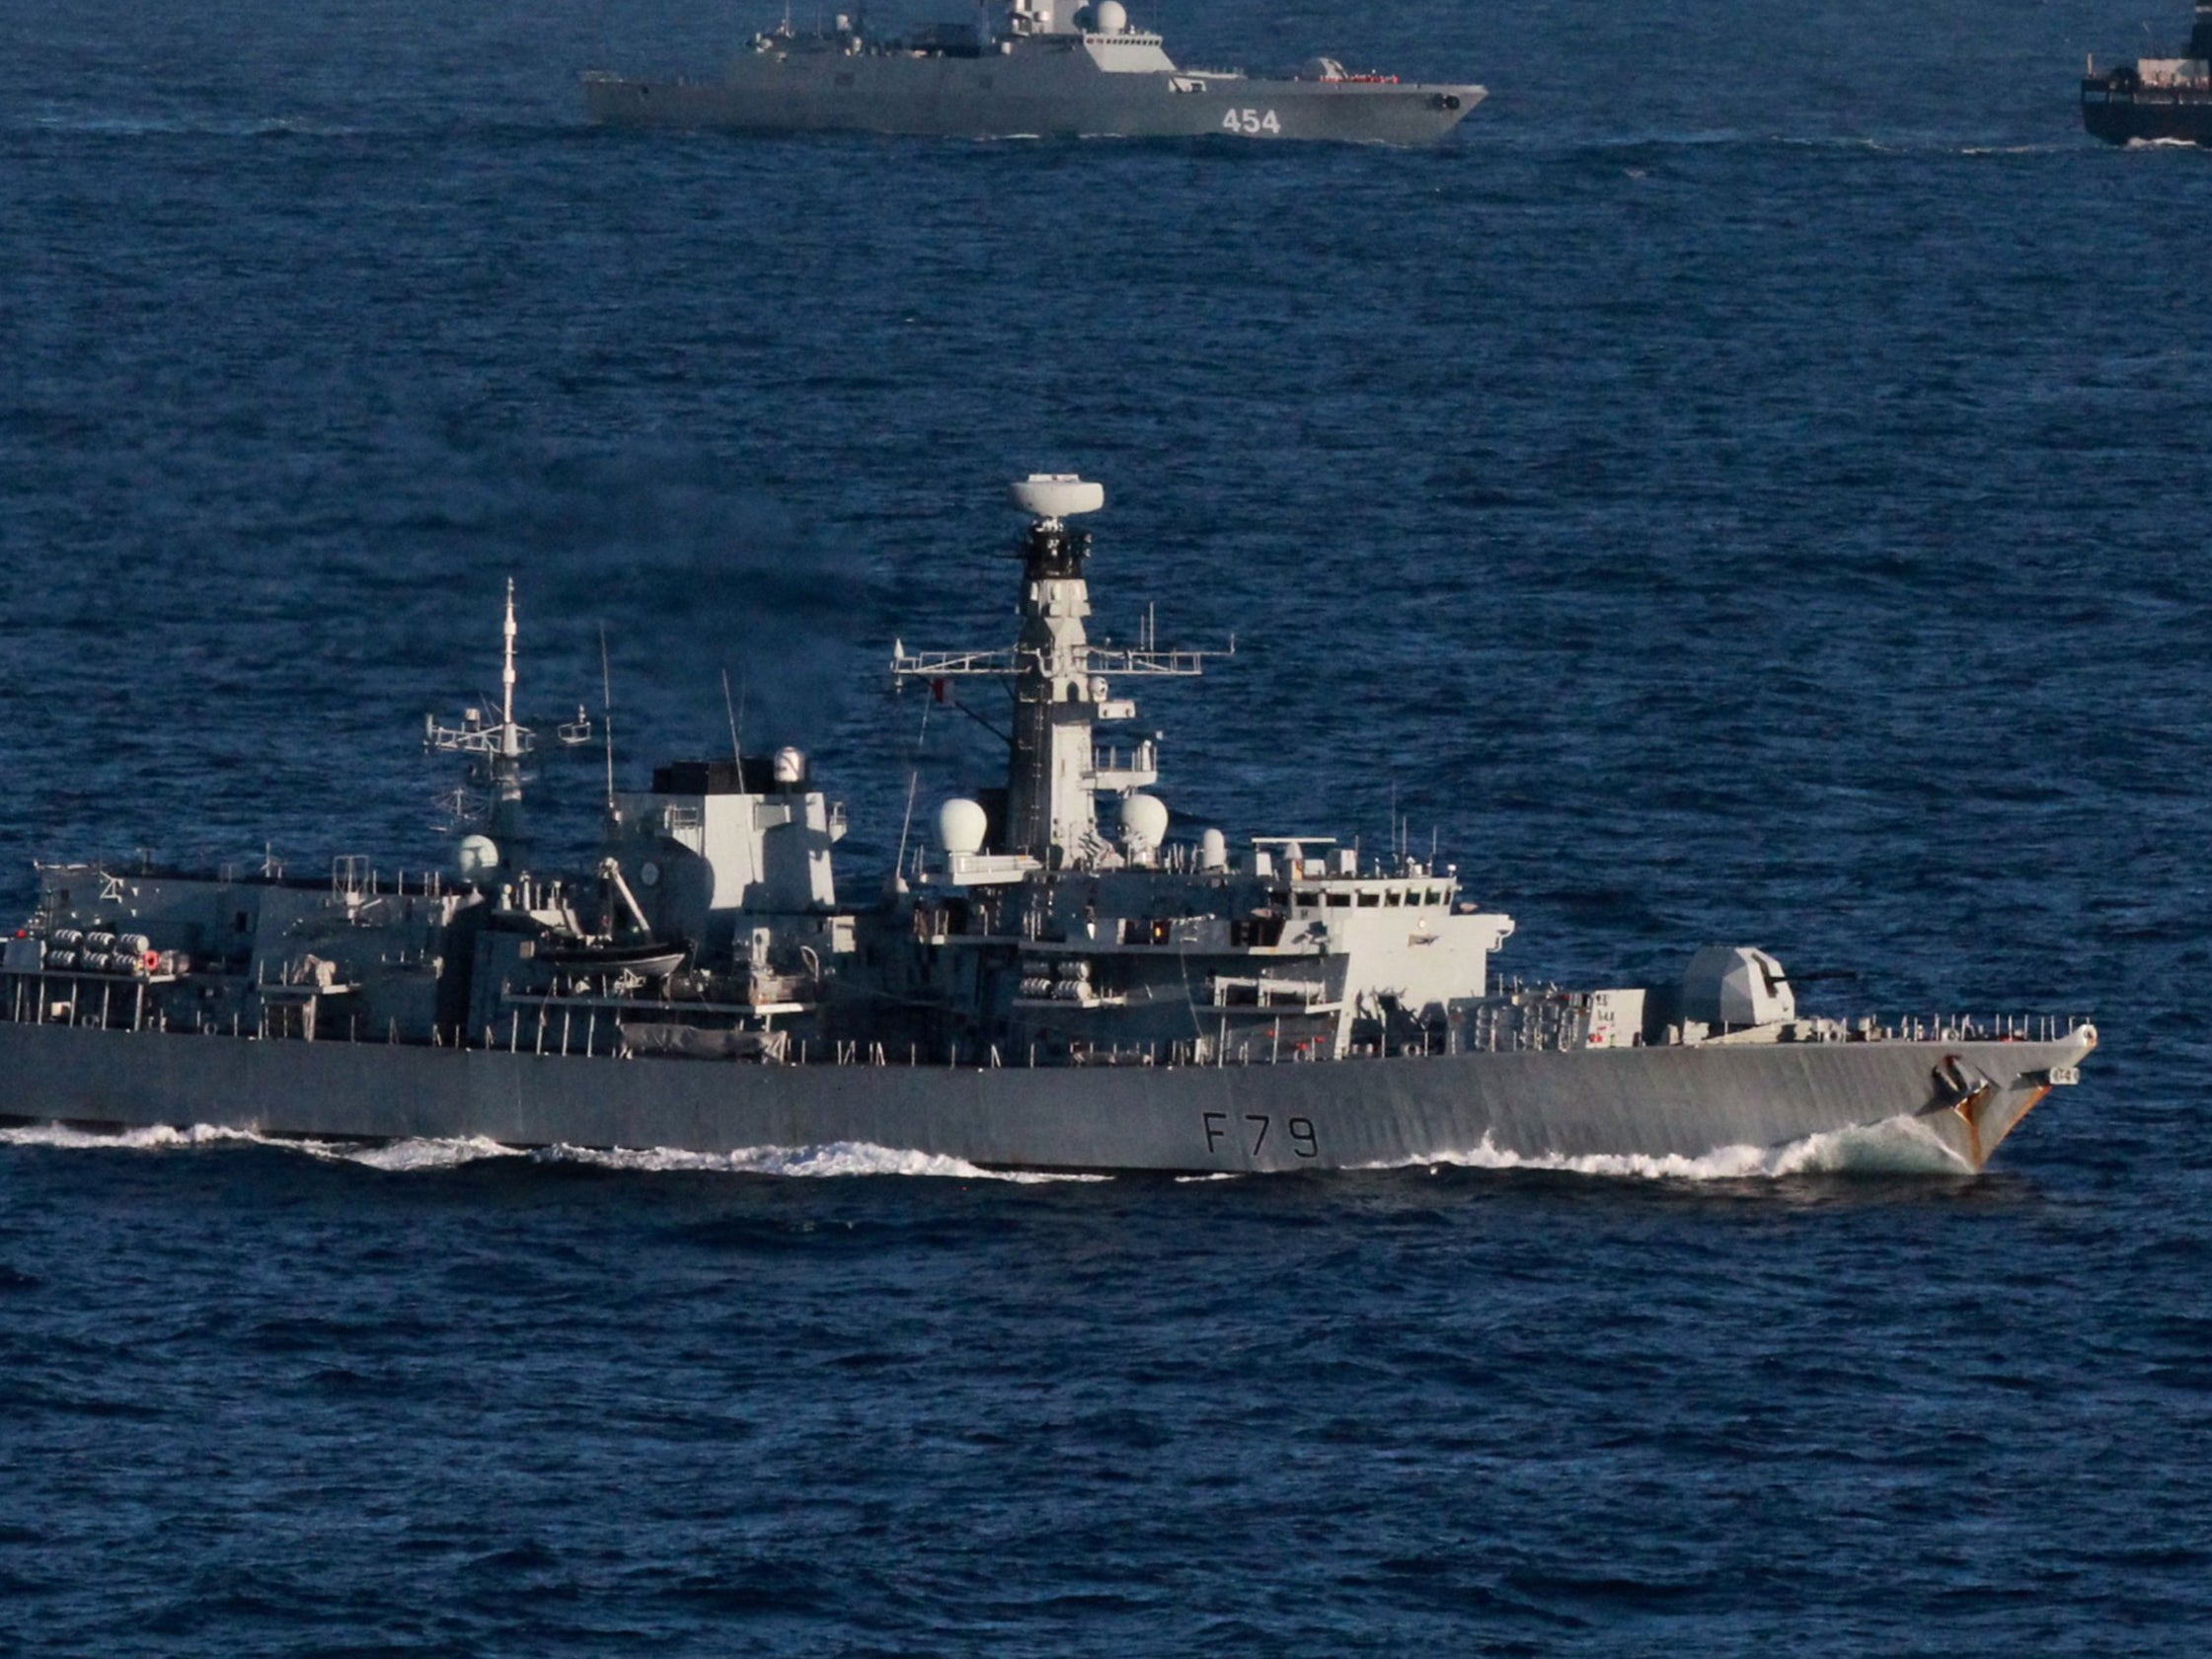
x,y
495,749
1060,687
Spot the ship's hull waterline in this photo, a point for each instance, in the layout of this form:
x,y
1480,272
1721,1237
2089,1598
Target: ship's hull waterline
x,y
2149,119
1656,1103
896,95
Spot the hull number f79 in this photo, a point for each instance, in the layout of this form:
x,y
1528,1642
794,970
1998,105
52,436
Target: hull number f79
x,y
1250,122
1252,1133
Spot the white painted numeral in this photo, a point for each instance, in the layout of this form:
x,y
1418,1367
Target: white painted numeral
x,y
1250,122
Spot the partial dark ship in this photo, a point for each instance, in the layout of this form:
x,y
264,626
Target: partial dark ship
x,y
1059,980
2155,98
1024,69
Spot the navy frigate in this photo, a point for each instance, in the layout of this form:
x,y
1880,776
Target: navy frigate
x,y
1057,979
1024,69
2150,98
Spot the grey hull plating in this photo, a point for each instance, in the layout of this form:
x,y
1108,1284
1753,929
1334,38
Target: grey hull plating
x,y
1653,1102
985,97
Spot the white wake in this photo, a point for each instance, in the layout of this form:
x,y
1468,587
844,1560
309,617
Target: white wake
x,y
837,1159
1900,1145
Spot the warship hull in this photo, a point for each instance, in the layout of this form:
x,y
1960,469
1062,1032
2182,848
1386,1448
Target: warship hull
x,y
1654,1102
979,97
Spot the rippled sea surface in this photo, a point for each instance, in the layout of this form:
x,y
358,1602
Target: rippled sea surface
x,y
1750,486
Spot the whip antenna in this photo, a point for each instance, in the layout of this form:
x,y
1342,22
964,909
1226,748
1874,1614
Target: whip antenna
x,y
606,709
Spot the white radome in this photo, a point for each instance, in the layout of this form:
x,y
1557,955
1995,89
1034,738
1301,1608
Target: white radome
x,y
961,826
1057,495
1144,821
477,855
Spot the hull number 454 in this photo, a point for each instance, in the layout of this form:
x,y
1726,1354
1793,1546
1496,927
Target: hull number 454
x,y
1250,122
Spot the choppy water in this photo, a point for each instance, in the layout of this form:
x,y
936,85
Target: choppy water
x,y
1750,486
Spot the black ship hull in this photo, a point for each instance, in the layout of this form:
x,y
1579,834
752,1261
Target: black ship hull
x,y
2146,115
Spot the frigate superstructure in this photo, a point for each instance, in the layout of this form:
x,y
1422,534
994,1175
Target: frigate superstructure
x,y
1024,69
2151,99
1060,978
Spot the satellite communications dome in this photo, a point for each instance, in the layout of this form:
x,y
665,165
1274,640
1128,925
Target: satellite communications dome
x,y
962,825
1057,495
478,855
1108,16
1144,821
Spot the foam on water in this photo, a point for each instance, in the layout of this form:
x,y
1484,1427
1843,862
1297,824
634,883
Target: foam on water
x,y
1894,1147
159,1138
404,1155
1899,1146
839,1158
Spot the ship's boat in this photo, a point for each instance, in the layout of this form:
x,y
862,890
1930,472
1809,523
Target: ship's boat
x,y
1029,68
2155,98
1061,977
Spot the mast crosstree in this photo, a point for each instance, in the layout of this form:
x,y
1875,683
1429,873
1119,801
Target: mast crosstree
x,y
1062,687
495,749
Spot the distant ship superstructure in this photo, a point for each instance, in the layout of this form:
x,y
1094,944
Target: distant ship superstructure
x,y
1044,986
2155,98
1026,68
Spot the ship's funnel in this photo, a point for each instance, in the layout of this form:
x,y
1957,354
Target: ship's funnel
x,y
1057,495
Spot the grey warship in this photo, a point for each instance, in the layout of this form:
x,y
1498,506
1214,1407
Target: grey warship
x,y
1026,68
1057,979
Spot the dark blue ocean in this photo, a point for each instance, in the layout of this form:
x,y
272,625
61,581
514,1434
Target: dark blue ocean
x,y
1751,484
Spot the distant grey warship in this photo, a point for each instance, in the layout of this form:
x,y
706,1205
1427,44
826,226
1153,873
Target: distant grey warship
x,y
1040,985
1039,68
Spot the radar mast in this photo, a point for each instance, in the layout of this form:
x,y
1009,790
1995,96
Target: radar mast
x,y
1060,685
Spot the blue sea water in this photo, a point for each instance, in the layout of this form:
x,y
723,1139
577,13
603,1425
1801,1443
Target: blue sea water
x,y
1749,485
